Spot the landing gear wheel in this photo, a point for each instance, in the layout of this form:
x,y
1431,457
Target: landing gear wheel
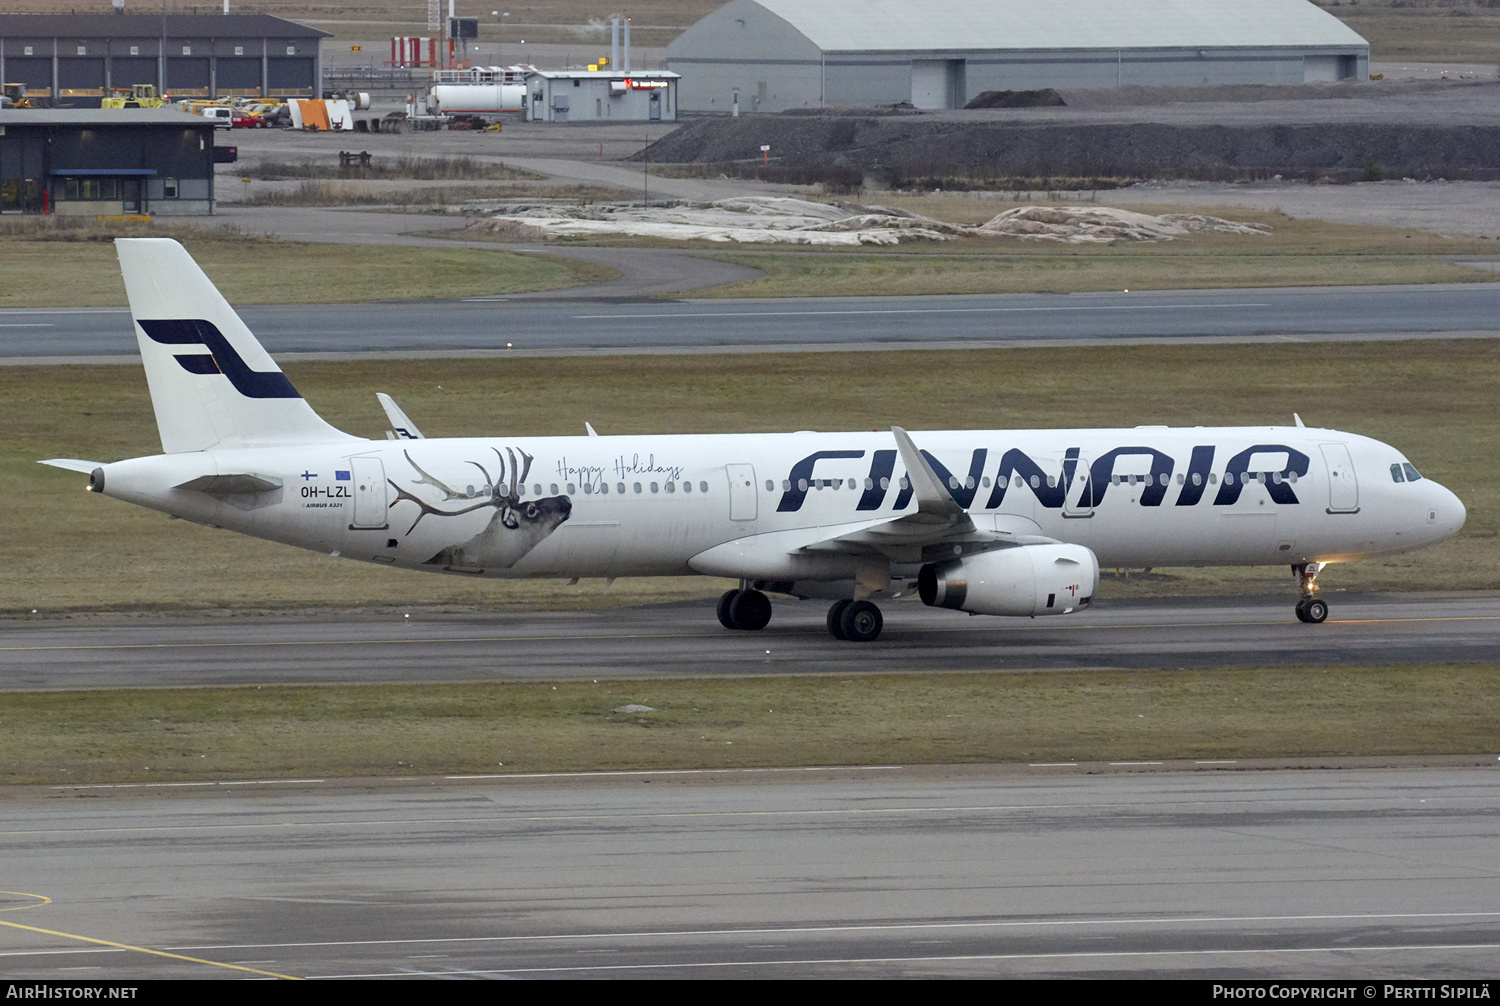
x,y
861,622
726,601
751,610
835,618
1312,611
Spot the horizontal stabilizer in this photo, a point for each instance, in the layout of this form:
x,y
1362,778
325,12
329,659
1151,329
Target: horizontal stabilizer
x,y
73,464
232,485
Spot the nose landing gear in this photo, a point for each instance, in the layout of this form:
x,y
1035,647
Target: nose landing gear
x,y
1310,608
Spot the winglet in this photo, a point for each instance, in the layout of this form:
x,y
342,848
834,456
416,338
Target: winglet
x,y
404,428
932,496
590,427
1298,419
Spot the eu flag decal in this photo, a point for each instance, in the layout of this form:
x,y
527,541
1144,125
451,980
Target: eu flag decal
x,y
339,476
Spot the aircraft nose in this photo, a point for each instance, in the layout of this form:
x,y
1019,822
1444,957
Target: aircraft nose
x,y
1445,511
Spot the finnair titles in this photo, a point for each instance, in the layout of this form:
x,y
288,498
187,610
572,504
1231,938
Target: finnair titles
x,y
996,522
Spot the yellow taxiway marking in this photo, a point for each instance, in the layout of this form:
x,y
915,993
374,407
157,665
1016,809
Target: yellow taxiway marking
x,y
127,946
41,899
686,635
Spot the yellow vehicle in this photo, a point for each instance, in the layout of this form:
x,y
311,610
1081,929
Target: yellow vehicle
x,y
138,96
15,96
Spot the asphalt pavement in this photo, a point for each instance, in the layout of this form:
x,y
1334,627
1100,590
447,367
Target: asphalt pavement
x,y
538,326
884,872
673,640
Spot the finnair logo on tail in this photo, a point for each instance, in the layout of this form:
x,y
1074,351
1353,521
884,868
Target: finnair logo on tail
x,y
221,357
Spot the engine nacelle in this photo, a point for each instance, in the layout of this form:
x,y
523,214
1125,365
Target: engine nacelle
x,y
1025,580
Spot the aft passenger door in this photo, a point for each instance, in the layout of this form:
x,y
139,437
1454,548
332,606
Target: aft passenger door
x,y
369,493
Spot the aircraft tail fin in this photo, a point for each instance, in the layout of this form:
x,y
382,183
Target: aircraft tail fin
x,y
212,384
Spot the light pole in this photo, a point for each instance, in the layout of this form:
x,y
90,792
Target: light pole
x,y
500,27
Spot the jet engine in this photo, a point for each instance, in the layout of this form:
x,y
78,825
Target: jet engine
x,y
1025,580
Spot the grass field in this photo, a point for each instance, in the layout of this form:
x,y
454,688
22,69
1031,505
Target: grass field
x,y
48,264
69,550
256,733
1295,253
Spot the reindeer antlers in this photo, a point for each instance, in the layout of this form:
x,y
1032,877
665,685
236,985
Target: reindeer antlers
x,y
495,499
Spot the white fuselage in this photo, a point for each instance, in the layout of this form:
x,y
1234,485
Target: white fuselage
x,y
749,506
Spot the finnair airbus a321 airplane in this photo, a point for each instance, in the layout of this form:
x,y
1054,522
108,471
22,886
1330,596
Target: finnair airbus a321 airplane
x,y
992,522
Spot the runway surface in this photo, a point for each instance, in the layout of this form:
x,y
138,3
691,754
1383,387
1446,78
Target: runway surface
x,y
680,639
966,871
551,326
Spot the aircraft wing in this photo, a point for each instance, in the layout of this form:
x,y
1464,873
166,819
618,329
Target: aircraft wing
x,y
938,529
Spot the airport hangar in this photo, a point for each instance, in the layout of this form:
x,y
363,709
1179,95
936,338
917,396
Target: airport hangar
x,y
774,55
73,60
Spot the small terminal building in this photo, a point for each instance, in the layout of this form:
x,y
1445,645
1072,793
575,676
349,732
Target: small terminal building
x,y
772,55
74,60
601,96
106,162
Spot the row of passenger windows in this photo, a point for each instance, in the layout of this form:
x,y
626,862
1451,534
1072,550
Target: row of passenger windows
x,y
1036,481
1406,469
603,488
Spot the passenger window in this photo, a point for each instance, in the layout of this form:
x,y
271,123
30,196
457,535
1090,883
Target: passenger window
x,y
654,487
802,485
637,486
1036,482
571,490
671,487
770,486
1411,472
1180,479
687,487
621,488
885,483
538,488
703,487
1197,479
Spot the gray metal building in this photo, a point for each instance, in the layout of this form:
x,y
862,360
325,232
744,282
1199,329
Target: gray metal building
x,y
106,162
771,55
601,96
75,59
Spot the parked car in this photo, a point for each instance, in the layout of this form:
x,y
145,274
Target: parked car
x,y
244,120
223,118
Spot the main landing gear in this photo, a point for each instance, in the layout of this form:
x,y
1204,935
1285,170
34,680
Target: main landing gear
x,y
856,621
749,609
1310,608
744,609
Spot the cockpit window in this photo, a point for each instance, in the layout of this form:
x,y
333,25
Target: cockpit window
x,y
1412,475
1396,475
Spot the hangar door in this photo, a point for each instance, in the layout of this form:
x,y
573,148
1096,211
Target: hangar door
x,y
938,83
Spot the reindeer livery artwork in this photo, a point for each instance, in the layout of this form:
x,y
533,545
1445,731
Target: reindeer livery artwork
x,y
512,529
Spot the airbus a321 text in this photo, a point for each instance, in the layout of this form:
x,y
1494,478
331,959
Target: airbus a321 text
x,y
997,522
